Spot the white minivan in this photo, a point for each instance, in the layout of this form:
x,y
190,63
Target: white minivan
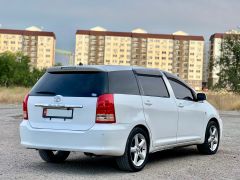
x,y
122,111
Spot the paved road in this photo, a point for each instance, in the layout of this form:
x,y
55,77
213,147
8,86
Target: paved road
x,y
184,163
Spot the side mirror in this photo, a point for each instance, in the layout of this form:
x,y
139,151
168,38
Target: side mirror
x,y
201,97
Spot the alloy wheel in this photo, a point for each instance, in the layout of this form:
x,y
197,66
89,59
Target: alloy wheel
x,y
138,149
213,138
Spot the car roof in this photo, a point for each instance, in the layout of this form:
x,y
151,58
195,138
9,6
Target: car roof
x,y
110,68
103,68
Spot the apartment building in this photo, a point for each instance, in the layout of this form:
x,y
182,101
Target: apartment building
x,y
215,53
178,53
37,44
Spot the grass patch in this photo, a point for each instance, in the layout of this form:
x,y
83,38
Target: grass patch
x,y
12,95
224,100
221,100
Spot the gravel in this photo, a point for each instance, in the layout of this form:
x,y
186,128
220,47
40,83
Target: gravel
x,y
181,163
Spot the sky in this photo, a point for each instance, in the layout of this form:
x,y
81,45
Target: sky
x,y
64,17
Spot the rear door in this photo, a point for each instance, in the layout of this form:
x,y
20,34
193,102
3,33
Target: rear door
x,y
159,109
66,100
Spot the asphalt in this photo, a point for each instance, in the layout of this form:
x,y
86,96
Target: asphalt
x,y
17,162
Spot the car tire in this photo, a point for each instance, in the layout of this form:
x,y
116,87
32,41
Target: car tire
x,y
212,139
136,152
53,156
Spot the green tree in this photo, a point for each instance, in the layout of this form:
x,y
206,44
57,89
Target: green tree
x,y
58,64
8,66
15,70
35,75
229,63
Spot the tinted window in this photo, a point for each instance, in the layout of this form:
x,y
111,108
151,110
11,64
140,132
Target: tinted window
x,y
123,82
76,84
153,86
181,91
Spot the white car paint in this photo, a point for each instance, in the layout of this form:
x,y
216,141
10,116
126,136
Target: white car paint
x,y
170,122
83,118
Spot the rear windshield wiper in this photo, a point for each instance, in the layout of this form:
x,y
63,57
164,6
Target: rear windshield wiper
x,y
46,92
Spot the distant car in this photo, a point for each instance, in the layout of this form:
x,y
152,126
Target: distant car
x,y
121,111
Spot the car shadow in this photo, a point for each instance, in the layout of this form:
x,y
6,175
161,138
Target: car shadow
x,y
78,163
171,154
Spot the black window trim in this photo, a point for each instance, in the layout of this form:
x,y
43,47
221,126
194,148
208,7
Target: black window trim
x,y
147,72
149,75
183,84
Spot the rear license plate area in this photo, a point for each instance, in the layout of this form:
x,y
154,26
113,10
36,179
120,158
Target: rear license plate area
x,y
60,113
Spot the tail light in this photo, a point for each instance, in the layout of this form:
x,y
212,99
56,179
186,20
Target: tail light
x,y
25,107
105,112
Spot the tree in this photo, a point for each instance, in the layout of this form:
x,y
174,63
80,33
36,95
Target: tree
x,y
8,65
58,64
229,63
15,70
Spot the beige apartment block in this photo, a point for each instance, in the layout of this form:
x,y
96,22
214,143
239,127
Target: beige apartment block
x,y
178,53
37,44
215,53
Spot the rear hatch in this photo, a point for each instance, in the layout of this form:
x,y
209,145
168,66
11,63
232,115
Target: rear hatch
x,y
65,100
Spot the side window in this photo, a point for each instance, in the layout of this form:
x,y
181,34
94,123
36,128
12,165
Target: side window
x,y
123,82
181,91
153,86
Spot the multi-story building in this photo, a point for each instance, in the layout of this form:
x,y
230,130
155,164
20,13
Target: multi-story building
x,y
215,53
38,45
205,67
178,53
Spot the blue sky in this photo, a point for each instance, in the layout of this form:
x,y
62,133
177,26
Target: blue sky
x,y
64,17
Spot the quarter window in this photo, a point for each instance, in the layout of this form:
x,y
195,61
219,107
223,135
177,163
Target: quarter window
x,y
153,86
181,91
123,82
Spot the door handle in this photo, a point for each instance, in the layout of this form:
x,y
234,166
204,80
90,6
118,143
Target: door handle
x,y
180,105
148,103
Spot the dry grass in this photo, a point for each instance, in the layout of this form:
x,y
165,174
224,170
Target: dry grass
x,y
221,100
13,95
224,100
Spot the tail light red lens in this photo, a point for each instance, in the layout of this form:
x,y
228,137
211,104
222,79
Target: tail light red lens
x,y
25,107
105,109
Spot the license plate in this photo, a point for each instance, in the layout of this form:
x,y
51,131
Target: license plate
x,y
58,113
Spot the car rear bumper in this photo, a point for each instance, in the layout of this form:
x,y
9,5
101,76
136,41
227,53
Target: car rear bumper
x,y
101,139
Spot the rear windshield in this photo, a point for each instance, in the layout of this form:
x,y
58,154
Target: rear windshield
x,y
72,84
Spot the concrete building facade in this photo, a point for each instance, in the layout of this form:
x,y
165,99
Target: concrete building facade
x,y
38,45
178,53
215,53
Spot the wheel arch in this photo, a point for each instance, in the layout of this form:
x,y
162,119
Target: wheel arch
x,y
147,131
217,122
